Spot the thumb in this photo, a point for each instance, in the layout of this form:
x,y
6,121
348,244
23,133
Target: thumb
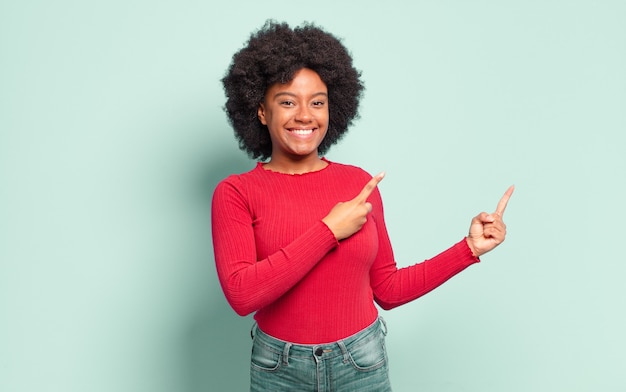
x,y
483,217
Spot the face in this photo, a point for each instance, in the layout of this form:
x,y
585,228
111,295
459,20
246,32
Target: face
x,y
296,115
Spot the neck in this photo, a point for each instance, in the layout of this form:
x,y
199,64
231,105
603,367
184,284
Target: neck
x,y
295,167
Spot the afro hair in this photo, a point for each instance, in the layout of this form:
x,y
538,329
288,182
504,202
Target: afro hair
x,y
274,54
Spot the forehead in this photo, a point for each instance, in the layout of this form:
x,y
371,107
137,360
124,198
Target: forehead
x,y
305,82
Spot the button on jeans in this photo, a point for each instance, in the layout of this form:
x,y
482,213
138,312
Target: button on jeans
x,y
357,363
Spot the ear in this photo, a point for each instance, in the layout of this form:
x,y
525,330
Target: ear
x,y
261,113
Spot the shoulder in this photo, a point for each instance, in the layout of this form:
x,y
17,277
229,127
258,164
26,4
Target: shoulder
x,y
235,183
355,178
350,170
350,176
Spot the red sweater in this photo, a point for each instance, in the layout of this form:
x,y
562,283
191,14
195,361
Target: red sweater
x,y
275,256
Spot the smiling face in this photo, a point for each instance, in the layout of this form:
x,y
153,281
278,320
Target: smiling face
x,y
296,115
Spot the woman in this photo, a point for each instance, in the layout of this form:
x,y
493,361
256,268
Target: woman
x,y
301,240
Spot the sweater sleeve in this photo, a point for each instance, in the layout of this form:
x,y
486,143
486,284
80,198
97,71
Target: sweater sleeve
x,y
250,284
394,287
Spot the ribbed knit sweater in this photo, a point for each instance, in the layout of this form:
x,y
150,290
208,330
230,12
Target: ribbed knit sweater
x,y
276,257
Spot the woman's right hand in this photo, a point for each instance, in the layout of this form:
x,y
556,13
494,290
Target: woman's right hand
x,y
346,218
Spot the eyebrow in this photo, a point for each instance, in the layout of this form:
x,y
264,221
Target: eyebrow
x,y
294,95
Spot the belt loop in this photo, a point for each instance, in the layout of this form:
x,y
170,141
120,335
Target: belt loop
x,y
286,354
384,325
344,350
253,330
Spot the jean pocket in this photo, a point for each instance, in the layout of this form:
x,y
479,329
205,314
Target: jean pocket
x,y
369,355
264,358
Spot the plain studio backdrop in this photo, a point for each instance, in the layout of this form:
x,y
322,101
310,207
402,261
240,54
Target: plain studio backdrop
x,y
113,136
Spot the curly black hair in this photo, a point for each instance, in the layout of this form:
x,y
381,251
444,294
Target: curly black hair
x,y
274,54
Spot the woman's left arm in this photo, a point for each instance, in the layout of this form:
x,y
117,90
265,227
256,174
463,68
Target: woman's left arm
x,y
393,287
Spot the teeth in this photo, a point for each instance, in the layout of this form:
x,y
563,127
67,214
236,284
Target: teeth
x,y
302,131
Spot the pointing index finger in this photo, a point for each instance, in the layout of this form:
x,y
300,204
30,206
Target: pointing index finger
x,y
369,187
504,200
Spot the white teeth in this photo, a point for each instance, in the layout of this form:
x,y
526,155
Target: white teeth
x,y
302,131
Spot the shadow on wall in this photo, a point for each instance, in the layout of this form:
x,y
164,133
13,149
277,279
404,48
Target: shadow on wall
x,y
217,341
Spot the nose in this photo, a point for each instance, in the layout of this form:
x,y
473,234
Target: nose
x,y
304,114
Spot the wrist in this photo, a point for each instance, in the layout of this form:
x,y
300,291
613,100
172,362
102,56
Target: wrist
x,y
330,228
470,245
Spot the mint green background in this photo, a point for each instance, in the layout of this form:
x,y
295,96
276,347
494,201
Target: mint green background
x,y
112,138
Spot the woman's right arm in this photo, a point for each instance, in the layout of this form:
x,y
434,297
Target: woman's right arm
x,y
250,284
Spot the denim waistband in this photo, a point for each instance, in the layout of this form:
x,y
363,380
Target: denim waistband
x,y
319,351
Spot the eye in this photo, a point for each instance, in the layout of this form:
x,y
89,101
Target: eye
x,y
287,103
319,103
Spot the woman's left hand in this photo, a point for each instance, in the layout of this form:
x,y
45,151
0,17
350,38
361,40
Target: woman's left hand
x,y
488,230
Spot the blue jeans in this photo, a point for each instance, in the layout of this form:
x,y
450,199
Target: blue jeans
x,y
357,363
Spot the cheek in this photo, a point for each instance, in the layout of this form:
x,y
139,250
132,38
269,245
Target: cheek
x,y
323,118
326,122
